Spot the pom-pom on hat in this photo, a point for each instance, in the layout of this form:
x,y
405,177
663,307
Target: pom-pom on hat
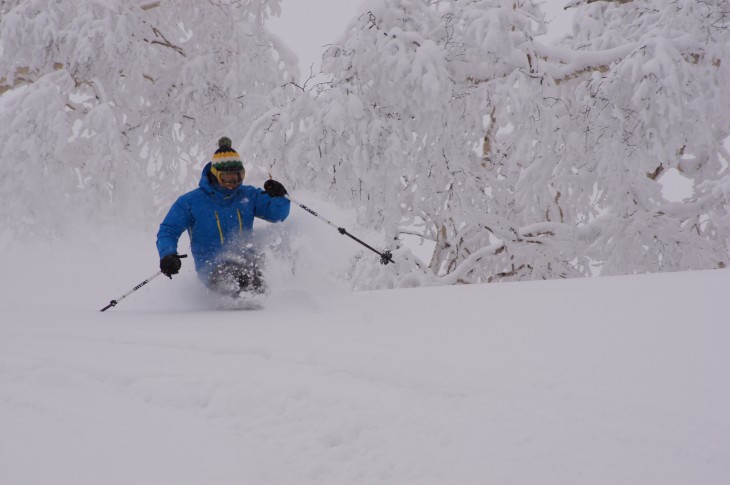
x,y
226,159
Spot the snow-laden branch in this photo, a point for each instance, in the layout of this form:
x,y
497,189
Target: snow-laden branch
x,y
164,42
468,264
566,64
537,234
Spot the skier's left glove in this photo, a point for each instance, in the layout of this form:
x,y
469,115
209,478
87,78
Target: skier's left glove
x,y
274,188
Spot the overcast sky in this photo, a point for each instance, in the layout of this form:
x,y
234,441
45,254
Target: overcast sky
x,y
308,26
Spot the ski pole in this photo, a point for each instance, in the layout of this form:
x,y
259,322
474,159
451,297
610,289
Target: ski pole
x,y
115,302
385,257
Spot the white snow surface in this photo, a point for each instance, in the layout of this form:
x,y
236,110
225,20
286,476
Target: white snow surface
x,y
616,380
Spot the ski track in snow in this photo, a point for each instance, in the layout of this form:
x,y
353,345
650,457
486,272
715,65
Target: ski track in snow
x,y
566,382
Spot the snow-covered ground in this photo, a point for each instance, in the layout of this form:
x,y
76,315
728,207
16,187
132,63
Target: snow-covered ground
x,y
606,381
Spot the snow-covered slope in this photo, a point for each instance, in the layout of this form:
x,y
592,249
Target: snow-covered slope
x,y
605,381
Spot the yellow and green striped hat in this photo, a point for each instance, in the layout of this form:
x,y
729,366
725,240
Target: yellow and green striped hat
x,y
225,159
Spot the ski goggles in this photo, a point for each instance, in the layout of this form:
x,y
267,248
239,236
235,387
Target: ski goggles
x,y
229,177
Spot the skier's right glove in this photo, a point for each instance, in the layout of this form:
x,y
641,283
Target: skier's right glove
x,y
170,265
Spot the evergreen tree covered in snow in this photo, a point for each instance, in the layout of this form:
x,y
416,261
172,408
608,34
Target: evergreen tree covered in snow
x,y
110,107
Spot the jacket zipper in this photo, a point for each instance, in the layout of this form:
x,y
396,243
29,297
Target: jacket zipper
x,y
220,231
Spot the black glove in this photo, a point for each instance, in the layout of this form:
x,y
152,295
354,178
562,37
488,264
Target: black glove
x,y
274,188
170,265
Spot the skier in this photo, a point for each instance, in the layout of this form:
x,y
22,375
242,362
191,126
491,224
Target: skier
x,y
218,216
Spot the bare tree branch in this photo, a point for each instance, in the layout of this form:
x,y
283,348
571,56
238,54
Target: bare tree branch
x,y
165,42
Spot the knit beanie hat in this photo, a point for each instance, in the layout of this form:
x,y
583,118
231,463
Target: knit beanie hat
x,y
225,158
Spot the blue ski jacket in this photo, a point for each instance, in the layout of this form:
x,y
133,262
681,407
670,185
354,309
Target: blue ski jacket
x,y
215,217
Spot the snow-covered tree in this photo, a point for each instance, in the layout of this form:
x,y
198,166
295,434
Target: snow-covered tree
x,y
639,91
449,120
109,107
400,131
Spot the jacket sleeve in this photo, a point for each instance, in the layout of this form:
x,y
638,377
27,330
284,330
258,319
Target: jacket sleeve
x,y
175,222
272,209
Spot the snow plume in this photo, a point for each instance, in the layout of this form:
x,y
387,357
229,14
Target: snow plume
x,y
302,257
305,261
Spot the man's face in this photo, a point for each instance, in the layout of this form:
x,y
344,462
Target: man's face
x,y
230,180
